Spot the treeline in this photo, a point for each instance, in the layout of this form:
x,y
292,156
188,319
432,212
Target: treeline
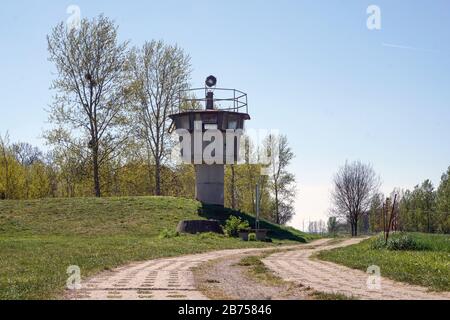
x,y
109,132
26,172
359,207
423,209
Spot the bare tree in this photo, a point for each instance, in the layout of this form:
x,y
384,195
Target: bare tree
x,y
26,154
159,73
90,96
354,186
281,181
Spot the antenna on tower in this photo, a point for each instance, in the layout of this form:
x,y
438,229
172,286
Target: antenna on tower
x,y
210,83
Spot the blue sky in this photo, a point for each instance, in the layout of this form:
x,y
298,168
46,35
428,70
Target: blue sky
x,y
311,69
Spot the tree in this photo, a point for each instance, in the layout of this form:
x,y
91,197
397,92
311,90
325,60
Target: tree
x,y
443,203
5,166
354,187
28,157
376,213
241,180
312,227
281,181
317,227
428,198
404,217
421,208
39,181
332,225
90,95
26,154
159,73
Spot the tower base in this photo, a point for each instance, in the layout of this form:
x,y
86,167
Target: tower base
x,y
210,184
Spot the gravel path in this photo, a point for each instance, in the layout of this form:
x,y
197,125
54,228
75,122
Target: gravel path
x,y
225,279
161,279
173,278
297,266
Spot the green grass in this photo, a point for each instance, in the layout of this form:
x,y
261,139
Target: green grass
x,y
259,271
429,268
39,239
318,295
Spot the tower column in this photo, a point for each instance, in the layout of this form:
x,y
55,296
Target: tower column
x,y
209,187
225,117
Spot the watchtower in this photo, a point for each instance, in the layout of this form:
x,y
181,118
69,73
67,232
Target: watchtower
x,y
216,118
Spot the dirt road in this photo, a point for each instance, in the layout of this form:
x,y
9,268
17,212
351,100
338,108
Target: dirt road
x,y
172,278
297,266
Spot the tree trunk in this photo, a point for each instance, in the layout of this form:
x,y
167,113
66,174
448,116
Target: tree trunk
x,y
354,227
157,178
277,211
96,171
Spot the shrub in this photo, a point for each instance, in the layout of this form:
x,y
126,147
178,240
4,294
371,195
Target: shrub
x,y
405,242
234,224
399,242
252,237
168,233
378,243
209,235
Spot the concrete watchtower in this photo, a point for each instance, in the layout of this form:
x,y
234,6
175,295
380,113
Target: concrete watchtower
x,y
216,117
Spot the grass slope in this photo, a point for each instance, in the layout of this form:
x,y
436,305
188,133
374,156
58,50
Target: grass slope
x,y
429,268
39,239
276,232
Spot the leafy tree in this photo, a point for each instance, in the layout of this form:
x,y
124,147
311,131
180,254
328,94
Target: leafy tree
x,y
428,204
281,182
422,207
443,203
90,96
40,184
332,225
241,180
158,72
246,178
376,212
417,209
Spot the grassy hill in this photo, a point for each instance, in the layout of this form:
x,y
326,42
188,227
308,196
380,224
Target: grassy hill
x,y
39,239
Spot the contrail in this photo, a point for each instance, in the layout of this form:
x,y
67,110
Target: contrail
x,y
390,45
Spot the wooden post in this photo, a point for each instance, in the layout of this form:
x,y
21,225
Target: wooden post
x,y
257,205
